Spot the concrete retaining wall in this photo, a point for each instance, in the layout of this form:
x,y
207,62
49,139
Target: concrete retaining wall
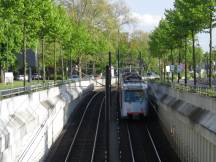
x,y
29,124
195,99
189,121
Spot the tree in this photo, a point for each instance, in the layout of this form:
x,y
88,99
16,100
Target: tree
x,y
10,35
28,12
57,31
194,14
210,5
168,38
44,31
181,34
156,48
139,49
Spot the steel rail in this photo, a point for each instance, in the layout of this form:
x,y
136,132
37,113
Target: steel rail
x,y
130,142
153,144
96,132
78,128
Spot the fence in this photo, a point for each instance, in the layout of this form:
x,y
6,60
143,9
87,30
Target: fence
x,y
28,89
42,86
200,89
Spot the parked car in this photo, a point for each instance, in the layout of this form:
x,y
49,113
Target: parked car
x,y
21,77
151,75
88,77
74,78
36,76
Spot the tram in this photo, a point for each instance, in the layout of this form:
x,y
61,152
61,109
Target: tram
x,y
133,96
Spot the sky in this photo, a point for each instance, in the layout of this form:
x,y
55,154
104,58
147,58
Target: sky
x,y
148,14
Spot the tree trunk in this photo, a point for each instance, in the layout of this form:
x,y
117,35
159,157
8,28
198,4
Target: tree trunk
x,y
86,68
94,70
194,58
159,62
172,64
24,54
140,63
7,65
62,63
55,77
29,74
179,61
71,68
164,70
38,63
207,65
210,53
43,61
2,74
80,67
185,60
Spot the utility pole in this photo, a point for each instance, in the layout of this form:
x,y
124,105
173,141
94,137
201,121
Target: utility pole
x,y
110,67
118,57
107,114
108,102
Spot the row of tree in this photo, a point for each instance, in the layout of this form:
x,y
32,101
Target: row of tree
x,y
25,24
63,32
175,37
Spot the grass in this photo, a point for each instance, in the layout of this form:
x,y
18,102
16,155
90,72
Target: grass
x,y
17,84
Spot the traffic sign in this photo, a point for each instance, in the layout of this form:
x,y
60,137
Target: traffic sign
x,y
172,68
168,69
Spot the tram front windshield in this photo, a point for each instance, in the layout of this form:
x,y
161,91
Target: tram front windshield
x,y
134,96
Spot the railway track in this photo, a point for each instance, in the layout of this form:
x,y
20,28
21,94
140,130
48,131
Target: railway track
x,y
138,143
83,145
84,138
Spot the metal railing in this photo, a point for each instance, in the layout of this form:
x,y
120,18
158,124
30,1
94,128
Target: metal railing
x,y
42,86
199,89
211,92
32,88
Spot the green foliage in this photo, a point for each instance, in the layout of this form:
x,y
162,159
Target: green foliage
x,y
179,29
194,13
10,34
82,30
